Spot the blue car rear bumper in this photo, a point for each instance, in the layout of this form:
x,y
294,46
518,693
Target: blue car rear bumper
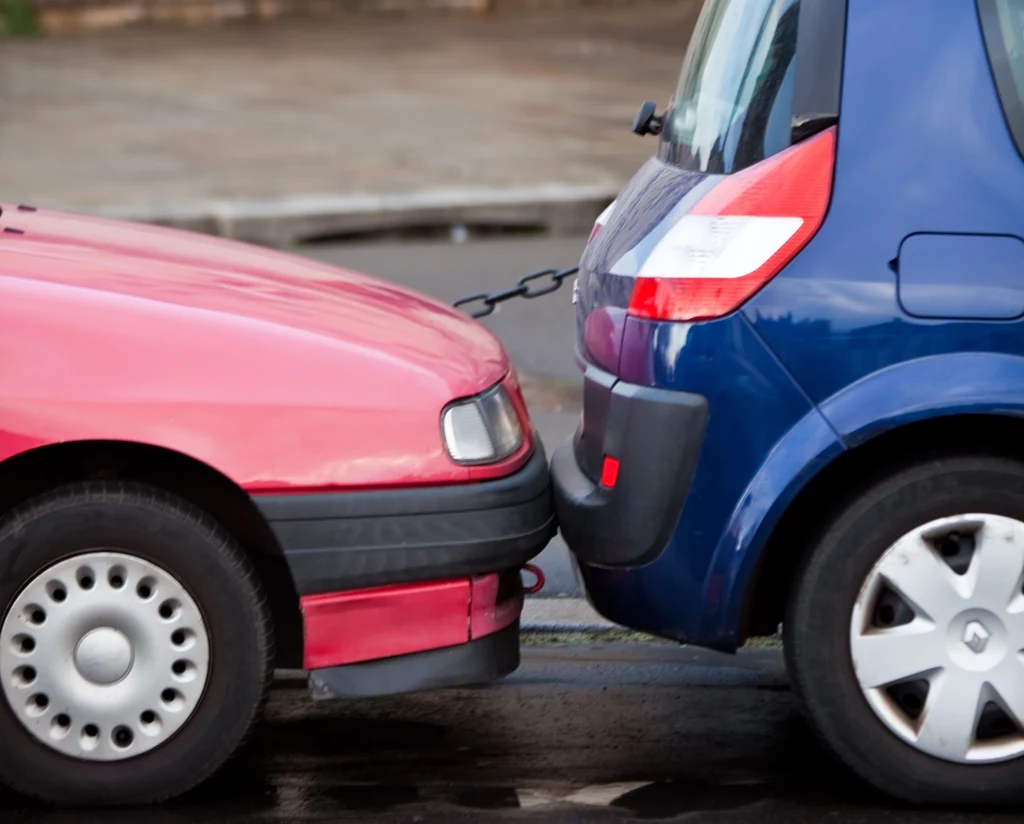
x,y
689,581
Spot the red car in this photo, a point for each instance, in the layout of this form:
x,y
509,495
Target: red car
x,y
216,460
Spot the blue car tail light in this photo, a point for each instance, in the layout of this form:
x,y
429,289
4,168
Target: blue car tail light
x,y
738,236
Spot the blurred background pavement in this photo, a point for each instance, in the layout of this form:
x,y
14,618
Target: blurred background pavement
x,y
368,140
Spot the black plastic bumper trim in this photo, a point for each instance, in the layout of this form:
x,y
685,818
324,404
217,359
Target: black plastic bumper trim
x,y
475,662
344,541
656,434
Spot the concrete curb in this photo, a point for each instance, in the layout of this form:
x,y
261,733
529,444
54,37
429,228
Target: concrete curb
x,y
562,615
558,209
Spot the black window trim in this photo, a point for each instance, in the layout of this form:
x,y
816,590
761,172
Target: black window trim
x,y
1010,97
820,46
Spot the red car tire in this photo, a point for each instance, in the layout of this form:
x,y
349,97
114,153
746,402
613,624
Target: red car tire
x,y
113,590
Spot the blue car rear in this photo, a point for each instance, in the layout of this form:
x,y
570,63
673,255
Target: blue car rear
x,y
801,330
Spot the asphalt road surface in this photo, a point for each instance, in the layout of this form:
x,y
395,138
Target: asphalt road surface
x,y
538,334
600,733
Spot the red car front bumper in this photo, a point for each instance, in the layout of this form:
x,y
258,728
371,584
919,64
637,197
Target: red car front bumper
x,y
401,638
413,588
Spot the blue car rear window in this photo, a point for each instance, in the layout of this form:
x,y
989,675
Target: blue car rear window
x,y
1003,25
734,103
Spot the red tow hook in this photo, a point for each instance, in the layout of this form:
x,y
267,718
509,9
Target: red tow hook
x,y
538,584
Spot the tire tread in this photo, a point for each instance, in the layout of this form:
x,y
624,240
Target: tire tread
x,y
913,777
155,500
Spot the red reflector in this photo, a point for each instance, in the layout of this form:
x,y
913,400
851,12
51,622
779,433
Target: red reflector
x,y
738,236
609,472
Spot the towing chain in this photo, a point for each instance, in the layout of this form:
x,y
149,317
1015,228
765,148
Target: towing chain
x,y
525,288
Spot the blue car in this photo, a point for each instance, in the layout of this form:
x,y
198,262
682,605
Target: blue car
x,y
802,331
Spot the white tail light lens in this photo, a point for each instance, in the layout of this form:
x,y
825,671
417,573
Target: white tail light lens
x,y
727,247
484,429
738,236
602,219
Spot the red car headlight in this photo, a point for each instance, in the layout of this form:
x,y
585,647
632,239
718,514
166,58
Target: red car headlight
x,y
482,429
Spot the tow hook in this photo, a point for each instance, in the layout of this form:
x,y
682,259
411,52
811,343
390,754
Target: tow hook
x,y
538,583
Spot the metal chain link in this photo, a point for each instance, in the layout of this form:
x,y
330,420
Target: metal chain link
x,y
522,289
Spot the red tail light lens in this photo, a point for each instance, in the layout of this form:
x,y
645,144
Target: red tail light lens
x,y
738,236
609,472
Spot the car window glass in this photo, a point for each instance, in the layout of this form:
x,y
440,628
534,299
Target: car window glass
x,y
1003,26
1011,27
733,106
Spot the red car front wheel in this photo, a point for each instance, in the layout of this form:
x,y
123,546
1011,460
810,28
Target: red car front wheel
x,y
135,646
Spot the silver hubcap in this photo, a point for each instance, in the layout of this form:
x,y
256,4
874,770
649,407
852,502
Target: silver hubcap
x,y
937,636
103,656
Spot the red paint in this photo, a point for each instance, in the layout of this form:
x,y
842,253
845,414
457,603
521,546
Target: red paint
x,y
487,613
364,625
609,472
280,372
796,182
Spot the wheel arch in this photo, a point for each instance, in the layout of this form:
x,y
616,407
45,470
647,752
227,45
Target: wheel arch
x,y
37,470
847,475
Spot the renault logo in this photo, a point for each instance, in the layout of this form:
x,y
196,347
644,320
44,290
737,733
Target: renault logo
x,y
976,636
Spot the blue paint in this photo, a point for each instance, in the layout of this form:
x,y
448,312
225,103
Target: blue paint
x,y
968,277
905,306
923,147
726,362
643,212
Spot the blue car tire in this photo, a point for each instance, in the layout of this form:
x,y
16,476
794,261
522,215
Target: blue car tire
x,y
905,628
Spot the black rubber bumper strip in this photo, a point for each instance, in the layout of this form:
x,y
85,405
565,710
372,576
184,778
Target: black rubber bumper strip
x,y
351,540
656,434
476,662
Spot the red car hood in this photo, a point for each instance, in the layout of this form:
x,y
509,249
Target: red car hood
x,y
279,372
236,279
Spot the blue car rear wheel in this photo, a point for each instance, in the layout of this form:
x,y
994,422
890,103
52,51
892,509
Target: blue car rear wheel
x,y
905,630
